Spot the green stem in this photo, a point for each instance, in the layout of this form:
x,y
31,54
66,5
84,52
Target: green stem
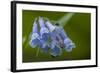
x,y
37,53
63,20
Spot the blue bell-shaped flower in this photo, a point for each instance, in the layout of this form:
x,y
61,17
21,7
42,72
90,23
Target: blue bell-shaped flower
x,y
44,32
69,45
55,49
34,41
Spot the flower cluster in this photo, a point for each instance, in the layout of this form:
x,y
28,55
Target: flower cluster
x,y
47,36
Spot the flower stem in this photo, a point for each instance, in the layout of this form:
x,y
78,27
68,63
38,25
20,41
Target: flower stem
x,y
63,20
37,53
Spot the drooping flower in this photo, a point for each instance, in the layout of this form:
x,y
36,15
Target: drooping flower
x,y
59,36
55,48
67,42
50,36
34,41
38,38
44,32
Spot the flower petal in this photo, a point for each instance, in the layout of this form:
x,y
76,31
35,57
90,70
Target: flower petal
x,y
43,30
35,27
44,33
41,22
55,51
69,45
62,33
34,41
50,26
57,38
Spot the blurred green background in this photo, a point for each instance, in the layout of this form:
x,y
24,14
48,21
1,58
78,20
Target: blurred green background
x,y
78,29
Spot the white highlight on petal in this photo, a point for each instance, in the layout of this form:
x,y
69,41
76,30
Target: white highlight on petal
x,y
50,26
44,30
34,36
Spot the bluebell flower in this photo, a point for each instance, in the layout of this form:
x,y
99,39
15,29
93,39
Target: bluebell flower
x,y
34,41
69,45
50,36
44,34
55,48
59,36
37,38
43,45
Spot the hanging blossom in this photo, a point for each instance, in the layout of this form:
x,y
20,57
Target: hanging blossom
x,y
39,38
50,36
